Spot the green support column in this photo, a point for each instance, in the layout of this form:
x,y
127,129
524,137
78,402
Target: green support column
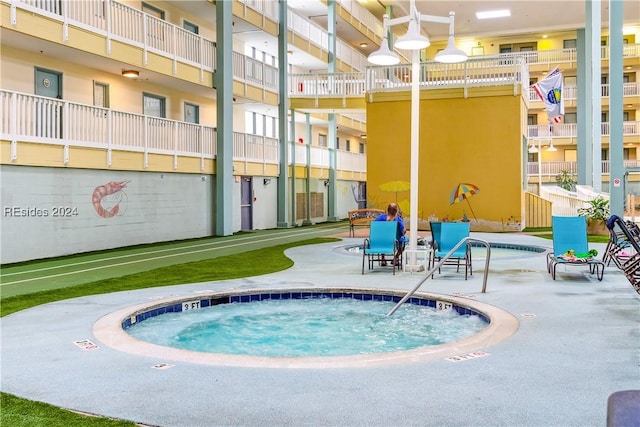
x,y
283,108
585,135
307,142
292,144
593,20
333,129
616,100
223,83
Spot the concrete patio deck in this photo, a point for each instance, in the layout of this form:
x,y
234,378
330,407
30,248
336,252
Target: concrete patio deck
x,y
577,343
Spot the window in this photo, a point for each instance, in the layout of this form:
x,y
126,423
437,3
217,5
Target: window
x,y
190,27
153,105
337,143
153,11
361,148
348,147
604,154
191,113
322,140
155,31
604,117
626,154
570,117
532,119
100,94
569,44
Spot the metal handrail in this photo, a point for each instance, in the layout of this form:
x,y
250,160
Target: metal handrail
x,y
439,264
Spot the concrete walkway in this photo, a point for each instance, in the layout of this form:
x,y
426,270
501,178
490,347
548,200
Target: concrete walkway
x,y
577,342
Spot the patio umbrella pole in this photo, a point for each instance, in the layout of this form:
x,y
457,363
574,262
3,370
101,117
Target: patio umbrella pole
x,y
472,212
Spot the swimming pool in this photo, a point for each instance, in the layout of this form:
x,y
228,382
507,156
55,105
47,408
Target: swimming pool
x,y
499,251
111,329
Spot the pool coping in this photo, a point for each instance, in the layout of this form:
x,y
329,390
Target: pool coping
x,y
502,325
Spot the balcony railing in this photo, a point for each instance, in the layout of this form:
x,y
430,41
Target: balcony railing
x,y
570,130
571,92
551,169
117,21
252,71
37,119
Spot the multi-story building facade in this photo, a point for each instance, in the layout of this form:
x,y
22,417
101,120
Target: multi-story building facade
x,y
128,122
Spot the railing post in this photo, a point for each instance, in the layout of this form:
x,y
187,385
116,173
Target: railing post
x,y
109,21
175,50
145,121
145,37
175,145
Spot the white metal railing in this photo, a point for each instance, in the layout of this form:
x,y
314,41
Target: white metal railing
x,y
570,130
551,169
39,119
319,158
362,14
562,204
481,71
314,34
253,71
268,8
255,148
327,85
117,21
571,92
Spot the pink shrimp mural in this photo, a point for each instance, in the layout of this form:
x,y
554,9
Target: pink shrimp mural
x,y
108,198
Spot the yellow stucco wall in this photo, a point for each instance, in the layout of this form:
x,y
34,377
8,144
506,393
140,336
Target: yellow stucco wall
x,y
475,140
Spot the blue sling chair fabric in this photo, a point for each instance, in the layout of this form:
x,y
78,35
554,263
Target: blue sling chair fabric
x,y
382,241
570,246
451,233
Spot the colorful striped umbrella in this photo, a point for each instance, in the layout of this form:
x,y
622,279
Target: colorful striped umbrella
x,y
462,192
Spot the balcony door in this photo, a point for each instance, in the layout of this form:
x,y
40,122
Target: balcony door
x,y
246,203
48,114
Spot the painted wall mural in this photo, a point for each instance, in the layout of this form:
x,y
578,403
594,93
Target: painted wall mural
x,y
110,199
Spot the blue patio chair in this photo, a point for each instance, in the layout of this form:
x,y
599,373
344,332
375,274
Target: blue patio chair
x,y
571,247
382,242
435,227
451,233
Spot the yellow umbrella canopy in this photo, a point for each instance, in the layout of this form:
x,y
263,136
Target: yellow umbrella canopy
x,y
396,186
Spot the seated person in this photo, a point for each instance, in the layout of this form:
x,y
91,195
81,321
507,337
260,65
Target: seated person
x,y
392,215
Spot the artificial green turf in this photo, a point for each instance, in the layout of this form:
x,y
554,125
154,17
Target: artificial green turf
x,y
591,238
253,263
17,412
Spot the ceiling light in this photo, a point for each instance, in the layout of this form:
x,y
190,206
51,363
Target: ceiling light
x,y
363,45
501,13
451,54
413,40
131,74
384,56
551,148
533,149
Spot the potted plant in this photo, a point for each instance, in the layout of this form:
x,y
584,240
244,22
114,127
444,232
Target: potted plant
x,y
597,213
565,180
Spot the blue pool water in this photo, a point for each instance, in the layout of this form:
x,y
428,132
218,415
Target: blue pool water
x,y
307,327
